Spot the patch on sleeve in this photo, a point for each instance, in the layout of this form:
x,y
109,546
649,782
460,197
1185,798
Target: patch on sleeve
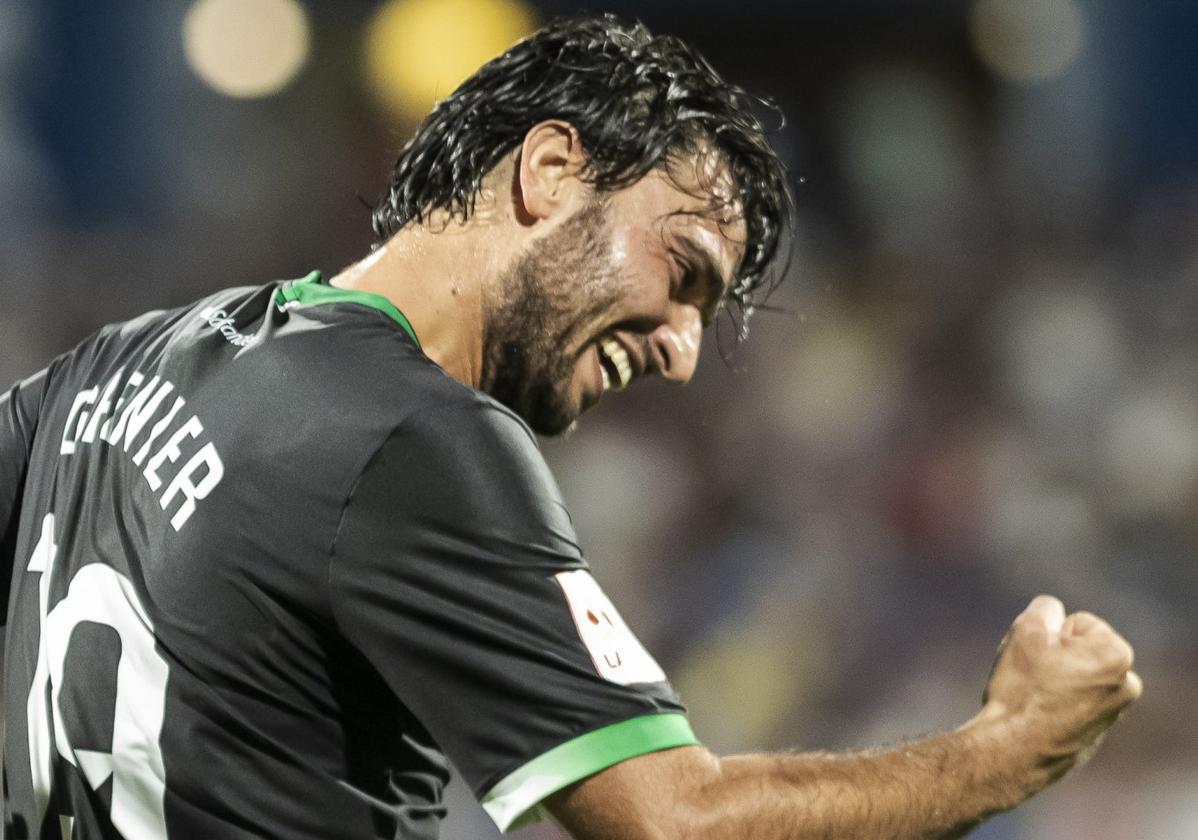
x,y
618,656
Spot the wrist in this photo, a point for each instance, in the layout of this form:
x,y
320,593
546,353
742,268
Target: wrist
x,y
1001,737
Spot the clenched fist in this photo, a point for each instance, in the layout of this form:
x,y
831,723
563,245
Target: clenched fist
x,y
1059,682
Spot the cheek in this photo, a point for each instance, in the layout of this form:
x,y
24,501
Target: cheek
x,y
642,262
617,268
620,246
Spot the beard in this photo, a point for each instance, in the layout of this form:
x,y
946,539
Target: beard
x,y
549,303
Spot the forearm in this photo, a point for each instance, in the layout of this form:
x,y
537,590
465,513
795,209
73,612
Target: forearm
x,y
939,787
1058,684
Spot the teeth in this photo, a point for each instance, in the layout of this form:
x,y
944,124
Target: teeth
x,y
618,356
606,378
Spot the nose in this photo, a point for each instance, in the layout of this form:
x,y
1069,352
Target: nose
x,y
675,344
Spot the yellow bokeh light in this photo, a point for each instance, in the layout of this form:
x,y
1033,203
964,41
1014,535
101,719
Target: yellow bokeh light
x,y
418,51
246,48
1028,41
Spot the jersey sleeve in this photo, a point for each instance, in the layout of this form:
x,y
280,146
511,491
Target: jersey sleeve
x,y
19,409
457,573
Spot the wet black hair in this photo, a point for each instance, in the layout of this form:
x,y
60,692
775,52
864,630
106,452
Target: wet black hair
x,y
639,102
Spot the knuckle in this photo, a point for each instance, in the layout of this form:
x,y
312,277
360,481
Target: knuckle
x,y
1044,602
1133,686
1027,634
1030,620
1118,655
1098,633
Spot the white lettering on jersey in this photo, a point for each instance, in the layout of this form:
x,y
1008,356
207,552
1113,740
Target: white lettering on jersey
x,y
221,320
77,417
135,379
103,407
184,482
100,594
37,714
141,408
171,451
617,654
94,417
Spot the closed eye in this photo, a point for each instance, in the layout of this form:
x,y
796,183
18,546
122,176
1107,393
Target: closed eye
x,y
689,278
700,281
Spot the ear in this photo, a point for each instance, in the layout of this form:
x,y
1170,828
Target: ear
x,y
547,170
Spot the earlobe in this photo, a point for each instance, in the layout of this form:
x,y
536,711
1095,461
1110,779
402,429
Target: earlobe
x,y
547,170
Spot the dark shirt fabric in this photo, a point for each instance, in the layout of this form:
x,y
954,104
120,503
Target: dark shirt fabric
x,y
268,567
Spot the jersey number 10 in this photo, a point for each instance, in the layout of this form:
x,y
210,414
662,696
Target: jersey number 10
x,y
100,594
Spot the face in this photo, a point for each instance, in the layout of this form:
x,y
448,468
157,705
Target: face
x,y
620,289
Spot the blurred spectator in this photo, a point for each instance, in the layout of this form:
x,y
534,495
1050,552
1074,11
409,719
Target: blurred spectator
x,y
980,383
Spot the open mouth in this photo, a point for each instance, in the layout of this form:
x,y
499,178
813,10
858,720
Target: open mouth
x,y
614,364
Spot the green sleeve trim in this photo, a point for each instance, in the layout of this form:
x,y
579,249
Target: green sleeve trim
x,y
515,801
311,292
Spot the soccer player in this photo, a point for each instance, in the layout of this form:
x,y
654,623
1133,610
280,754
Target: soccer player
x,y
275,557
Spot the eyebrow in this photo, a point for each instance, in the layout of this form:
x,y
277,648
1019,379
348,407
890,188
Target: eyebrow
x,y
705,266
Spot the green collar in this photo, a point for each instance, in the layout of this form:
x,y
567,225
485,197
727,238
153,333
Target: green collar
x,y
310,291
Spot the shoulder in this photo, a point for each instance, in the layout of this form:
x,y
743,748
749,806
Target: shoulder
x,y
157,328
465,419
463,465
460,438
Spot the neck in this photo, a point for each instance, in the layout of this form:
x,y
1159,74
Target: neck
x,y
437,280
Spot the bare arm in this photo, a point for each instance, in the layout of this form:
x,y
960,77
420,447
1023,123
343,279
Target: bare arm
x,y
1058,684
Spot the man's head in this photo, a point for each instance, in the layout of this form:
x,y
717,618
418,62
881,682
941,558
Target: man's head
x,y
644,191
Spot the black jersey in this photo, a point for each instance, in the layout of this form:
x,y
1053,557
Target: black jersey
x,y
268,566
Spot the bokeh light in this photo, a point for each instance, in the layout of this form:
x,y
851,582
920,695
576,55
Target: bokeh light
x,y
1028,41
246,48
1152,452
418,51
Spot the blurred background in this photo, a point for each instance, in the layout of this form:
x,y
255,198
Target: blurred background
x,y
981,386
